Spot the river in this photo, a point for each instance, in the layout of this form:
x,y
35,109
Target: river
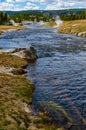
x,y
59,74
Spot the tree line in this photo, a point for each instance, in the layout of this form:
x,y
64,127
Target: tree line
x,y
3,17
30,17
18,18
72,16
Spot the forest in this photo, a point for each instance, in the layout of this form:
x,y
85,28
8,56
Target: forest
x,y
41,16
73,16
31,17
3,18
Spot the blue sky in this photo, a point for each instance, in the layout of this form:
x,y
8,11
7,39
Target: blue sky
x,y
41,4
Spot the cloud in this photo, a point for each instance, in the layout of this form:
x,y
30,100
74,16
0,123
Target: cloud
x,y
41,4
9,1
59,4
30,6
20,0
6,6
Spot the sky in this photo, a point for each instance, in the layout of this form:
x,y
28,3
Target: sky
x,y
41,4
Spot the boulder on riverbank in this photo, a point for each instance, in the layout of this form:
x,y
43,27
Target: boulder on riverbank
x,y
14,61
29,54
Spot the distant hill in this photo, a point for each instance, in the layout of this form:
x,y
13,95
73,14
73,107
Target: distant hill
x,y
47,12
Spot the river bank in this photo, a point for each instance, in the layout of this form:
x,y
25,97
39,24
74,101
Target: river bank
x,y
5,28
75,27
16,93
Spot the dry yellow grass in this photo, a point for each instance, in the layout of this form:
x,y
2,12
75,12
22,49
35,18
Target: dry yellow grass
x,y
50,24
75,27
4,28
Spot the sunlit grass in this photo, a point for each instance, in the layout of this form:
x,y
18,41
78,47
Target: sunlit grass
x,y
4,28
73,27
8,60
14,91
50,24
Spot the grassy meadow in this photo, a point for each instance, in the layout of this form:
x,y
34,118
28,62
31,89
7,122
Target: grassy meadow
x,y
76,27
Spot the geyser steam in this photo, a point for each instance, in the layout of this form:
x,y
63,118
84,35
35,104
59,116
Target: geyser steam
x,y
58,21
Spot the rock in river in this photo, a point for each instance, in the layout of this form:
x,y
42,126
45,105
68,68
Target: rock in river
x,y
29,54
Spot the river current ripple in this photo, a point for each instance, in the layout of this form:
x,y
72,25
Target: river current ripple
x,y
59,73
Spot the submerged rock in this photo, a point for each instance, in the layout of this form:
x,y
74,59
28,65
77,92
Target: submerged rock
x,y
58,114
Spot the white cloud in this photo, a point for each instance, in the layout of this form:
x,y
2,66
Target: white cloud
x,y
40,1
30,6
59,4
21,0
6,6
9,1
41,4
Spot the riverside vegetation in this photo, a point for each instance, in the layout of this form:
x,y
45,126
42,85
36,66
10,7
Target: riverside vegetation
x,y
16,93
74,23
4,28
4,20
76,27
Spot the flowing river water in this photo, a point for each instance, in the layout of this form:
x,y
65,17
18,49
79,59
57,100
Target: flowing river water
x,y
59,73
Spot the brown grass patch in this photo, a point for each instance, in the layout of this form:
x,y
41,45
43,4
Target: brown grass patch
x,y
73,27
4,28
8,60
50,24
14,91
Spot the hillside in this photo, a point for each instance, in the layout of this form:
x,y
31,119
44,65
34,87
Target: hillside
x,y
47,12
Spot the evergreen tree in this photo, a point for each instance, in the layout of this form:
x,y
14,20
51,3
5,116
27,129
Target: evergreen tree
x,y
72,16
3,18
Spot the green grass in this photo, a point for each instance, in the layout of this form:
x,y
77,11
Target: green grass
x,y
14,91
8,60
